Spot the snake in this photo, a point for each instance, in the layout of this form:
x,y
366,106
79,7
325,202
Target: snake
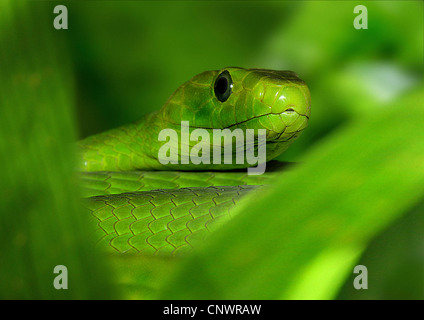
x,y
140,204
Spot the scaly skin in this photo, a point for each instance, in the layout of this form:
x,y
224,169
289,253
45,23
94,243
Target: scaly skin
x,y
161,221
168,221
115,182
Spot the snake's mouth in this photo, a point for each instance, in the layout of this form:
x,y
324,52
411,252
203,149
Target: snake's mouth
x,y
279,127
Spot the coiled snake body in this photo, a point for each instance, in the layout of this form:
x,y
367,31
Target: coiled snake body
x,y
141,205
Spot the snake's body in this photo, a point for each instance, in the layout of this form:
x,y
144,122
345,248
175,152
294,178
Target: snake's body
x,y
140,204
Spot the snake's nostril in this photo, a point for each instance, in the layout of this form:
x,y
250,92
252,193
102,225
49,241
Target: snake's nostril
x,y
289,110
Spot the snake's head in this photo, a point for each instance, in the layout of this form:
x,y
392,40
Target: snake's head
x,y
277,101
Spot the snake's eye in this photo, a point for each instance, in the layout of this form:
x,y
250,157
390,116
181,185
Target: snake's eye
x,y
223,86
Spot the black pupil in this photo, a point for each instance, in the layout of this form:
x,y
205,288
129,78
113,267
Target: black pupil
x,y
221,85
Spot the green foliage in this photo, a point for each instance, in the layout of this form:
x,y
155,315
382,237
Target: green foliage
x,y
41,222
394,257
302,238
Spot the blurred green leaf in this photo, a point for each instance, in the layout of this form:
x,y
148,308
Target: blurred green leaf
x,y
41,222
300,240
395,262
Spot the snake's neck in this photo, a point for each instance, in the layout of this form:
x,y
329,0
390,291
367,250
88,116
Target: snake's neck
x,y
130,147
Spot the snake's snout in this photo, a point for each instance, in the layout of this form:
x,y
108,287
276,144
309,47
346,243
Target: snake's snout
x,y
290,110
292,98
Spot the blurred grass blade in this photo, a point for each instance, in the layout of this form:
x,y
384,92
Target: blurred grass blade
x,y
40,223
319,216
395,259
